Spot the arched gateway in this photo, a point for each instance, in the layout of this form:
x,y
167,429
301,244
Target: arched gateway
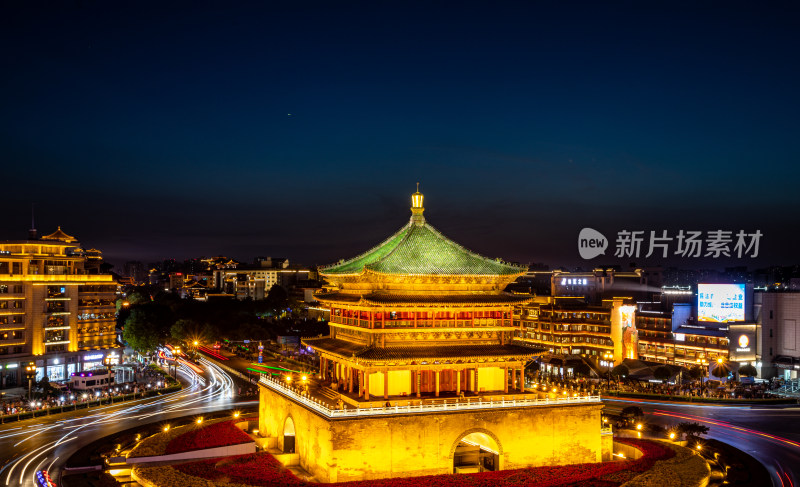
x,y
476,450
288,435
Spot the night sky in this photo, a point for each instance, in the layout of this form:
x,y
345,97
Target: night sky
x,y
300,130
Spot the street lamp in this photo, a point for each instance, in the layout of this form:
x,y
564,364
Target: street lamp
x,y
30,373
704,363
608,357
175,364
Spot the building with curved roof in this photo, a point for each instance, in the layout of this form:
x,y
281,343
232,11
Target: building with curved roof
x,y
421,373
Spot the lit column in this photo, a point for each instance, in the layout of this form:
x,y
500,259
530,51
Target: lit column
x,y
458,382
350,380
476,380
418,380
386,384
505,380
438,372
522,379
366,384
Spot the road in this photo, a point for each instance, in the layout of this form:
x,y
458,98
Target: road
x,y
47,442
771,434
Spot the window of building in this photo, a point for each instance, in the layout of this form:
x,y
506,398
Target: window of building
x,y
56,291
770,332
770,314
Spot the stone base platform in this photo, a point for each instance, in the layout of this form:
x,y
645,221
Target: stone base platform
x,y
373,444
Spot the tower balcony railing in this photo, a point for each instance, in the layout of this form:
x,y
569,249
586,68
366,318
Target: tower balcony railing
x,y
422,323
322,408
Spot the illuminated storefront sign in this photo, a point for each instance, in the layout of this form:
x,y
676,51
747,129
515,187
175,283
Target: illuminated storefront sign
x,y
93,356
744,344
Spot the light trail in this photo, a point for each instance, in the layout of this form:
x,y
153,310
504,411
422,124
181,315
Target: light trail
x,y
277,368
192,398
212,353
673,403
725,424
11,471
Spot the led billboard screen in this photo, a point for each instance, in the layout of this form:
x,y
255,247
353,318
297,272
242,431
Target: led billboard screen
x,y
720,303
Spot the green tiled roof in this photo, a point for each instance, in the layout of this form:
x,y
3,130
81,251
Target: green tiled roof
x,y
418,248
344,348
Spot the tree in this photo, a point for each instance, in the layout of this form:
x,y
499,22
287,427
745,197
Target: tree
x,y
721,369
620,370
186,329
662,373
277,299
581,369
141,332
633,412
691,430
45,387
696,372
748,371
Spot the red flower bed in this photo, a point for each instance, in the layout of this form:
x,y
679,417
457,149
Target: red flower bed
x,y
211,436
254,469
261,469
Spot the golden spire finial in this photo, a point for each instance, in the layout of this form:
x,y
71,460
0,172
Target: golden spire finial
x,y
417,208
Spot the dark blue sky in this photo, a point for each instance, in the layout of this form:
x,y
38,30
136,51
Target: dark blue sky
x,y
153,132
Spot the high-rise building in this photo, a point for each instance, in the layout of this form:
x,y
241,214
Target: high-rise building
x,y
55,309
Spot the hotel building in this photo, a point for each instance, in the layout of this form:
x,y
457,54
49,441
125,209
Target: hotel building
x,y
56,309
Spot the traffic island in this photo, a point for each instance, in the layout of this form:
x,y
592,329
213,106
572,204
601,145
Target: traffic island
x,y
646,460
216,438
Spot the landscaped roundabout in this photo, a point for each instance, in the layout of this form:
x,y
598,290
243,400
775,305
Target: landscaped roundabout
x,y
657,463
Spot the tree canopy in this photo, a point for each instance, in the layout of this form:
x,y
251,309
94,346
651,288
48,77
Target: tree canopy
x,y
696,372
662,373
691,430
141,332
154,316
620,370
748,371
581,369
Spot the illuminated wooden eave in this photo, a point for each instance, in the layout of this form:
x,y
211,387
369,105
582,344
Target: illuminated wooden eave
x,y
438,329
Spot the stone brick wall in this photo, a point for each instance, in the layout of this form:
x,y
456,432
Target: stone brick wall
x,y
423,444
